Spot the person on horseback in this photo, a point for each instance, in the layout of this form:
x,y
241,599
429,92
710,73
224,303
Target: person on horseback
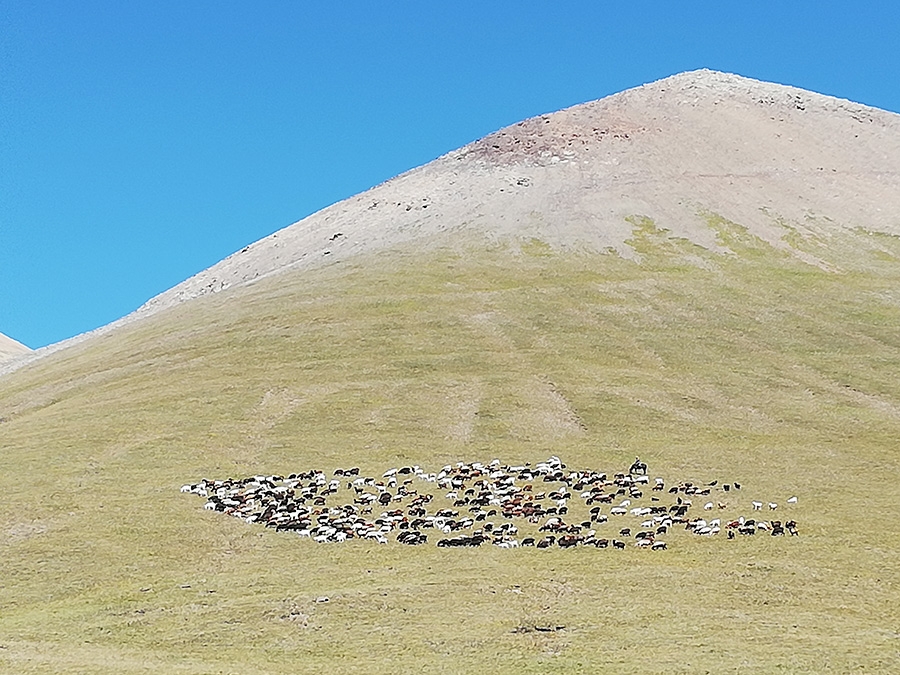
x,y
638,467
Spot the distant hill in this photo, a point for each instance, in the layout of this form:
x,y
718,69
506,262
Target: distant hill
x,y
10,349
703,272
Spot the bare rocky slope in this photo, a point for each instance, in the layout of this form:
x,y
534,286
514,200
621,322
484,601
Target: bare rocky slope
x,y
776,159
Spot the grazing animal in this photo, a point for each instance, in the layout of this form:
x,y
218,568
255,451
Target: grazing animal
x,y
412,537
569,540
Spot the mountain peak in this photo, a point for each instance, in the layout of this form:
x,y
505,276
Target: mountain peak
x,y
716,87
680,109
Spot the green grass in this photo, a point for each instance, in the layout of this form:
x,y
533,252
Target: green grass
x,y
748,365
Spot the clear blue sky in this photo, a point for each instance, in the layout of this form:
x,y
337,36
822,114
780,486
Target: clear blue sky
x,y
141,142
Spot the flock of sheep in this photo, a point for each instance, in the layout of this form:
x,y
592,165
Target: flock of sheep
x,y
544,505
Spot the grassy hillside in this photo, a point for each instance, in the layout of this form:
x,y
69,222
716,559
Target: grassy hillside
x,y
744,365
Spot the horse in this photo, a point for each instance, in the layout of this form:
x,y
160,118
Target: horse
x,y
638,467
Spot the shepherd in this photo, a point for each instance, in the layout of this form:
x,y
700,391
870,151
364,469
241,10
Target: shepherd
x,y
638,467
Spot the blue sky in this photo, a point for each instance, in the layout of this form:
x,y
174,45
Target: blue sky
x,y
141,142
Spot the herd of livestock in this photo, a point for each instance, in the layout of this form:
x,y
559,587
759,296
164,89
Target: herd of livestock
x,y
542,505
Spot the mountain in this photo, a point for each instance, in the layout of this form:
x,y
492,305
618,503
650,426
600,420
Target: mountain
x,y
787,164
770,157
702,272
10,349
